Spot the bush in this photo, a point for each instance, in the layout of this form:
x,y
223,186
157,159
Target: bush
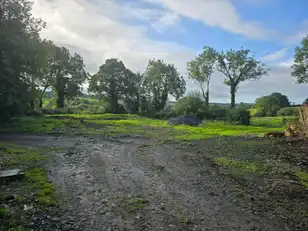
x,y
288,111
217,112
238,116
189,105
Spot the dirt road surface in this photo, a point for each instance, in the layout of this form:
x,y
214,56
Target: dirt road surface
x,y
140,184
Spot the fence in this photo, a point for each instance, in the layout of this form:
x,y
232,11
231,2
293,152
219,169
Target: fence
x,y
272,121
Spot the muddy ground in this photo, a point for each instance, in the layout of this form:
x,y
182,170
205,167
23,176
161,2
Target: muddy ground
x,y
135,183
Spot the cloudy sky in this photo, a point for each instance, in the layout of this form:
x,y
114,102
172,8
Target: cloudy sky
x,y
176,30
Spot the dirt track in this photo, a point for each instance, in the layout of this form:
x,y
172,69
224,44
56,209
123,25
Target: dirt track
x,y
140,184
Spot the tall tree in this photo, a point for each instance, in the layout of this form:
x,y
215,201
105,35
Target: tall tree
x,y
162,80
270,104
300,66
61,71
201,69
238,66
112,82
19,32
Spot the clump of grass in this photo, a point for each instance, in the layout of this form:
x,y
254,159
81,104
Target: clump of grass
x,y
303,176
4,212
19,228
237,165
45,191
33,125
133,205
16,155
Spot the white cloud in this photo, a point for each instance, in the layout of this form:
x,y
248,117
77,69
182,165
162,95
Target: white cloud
x,y
104,29
216,13
277,55
299,35
99,31
288,63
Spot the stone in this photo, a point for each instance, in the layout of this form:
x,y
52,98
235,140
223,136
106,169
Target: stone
x,y
185,120
11,174
28,207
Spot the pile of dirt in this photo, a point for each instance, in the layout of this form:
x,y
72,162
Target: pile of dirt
x,y
185,120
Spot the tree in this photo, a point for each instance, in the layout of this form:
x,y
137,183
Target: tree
x,y
269,105
238,67
188,105
61,71
201,69
19,35
114,82
162,80
300,66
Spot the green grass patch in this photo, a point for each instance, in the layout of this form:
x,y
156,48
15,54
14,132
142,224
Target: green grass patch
x,y
33,189
303,176
45,190
19,156
127,124
33,124
276,121
251,168
4,212
132,205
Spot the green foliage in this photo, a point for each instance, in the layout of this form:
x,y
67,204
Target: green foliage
x,y
300,66
115,83
269,105
201,69
33,124
162,80
288,111
245,168
45,191
303,176
189,105
238,116
19,36
4,212
216,112
30,66
238,66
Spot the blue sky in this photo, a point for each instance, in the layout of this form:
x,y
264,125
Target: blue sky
x,y
176,30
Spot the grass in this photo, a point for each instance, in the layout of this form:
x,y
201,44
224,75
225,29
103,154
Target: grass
x,y
132,205
303,176
126,124
276,121
33,125
267,175
33,189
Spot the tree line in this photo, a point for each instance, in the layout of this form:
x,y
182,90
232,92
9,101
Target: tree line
x,y
30,66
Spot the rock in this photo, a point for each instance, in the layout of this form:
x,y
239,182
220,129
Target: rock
x,y
185,120
28,207
11,174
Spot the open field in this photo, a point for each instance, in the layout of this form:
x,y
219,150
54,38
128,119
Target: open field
x,y
109,124
124,172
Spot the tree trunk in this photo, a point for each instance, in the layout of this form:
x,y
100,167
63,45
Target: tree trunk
x,y
207,98
60,98
41,97
32,104
233,91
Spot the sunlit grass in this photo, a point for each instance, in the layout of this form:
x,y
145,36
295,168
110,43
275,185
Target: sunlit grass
x,y
276,121
127,124
32,124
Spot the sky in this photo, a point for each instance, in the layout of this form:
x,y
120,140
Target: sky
x,y
176,31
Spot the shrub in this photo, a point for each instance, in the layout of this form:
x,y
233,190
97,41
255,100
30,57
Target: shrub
x,y
288,111
189,105
238,116
258,113
217,112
